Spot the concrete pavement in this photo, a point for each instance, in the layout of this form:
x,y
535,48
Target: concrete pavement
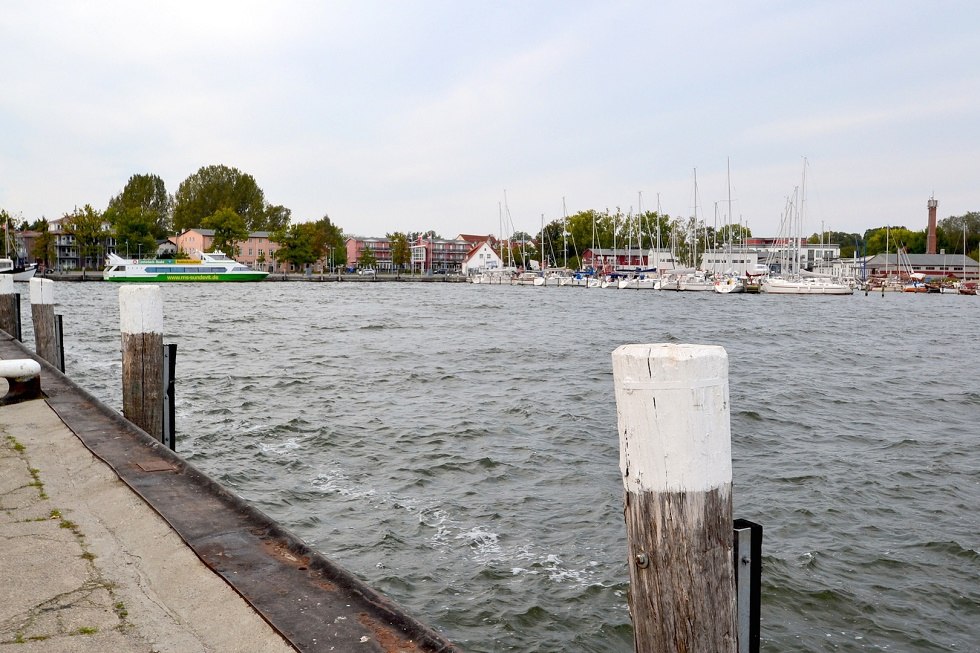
x,y
87,566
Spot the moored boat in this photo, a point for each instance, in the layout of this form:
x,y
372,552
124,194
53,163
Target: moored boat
x,y
212,266
805,286
19,272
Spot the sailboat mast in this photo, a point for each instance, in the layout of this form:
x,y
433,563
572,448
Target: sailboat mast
x,y
564,234
730,263
658,232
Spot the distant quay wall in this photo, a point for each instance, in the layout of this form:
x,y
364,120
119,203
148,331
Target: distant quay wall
x,y
96,275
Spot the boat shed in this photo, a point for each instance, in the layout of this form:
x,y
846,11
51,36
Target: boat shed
x,y
930,265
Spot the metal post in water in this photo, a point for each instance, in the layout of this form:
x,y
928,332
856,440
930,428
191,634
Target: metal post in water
x,y
169,410
748,582
59,341
672,407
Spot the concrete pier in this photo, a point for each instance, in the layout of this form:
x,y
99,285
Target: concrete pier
x,y
110,542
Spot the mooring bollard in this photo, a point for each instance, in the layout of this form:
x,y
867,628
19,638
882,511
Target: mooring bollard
x,y
45,328
675,456
9,306
23,380
141,325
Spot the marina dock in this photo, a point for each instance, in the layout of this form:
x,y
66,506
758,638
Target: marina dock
x,y
114,543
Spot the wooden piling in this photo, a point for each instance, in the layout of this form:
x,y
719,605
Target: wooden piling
x,y
9,306
141,325
45,329
672,408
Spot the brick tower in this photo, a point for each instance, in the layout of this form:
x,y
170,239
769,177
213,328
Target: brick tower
x,y
931,237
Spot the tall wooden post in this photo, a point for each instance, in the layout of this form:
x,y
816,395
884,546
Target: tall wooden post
x,y
9,306
675,456
45,329
141,324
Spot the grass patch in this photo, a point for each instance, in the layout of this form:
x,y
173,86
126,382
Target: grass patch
x,y
88,555
16,446
120,609
37,482
86,630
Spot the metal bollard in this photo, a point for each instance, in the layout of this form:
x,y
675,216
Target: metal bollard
x,y
23,380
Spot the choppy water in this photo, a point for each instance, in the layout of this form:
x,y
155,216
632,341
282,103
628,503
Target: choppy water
x,y
455,445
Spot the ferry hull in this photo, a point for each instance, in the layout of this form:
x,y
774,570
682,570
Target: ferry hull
x,y
185,278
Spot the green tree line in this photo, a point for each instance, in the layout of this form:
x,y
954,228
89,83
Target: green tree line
x,y
231,203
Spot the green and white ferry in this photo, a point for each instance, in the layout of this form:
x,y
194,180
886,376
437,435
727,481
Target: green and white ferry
x,y
212,266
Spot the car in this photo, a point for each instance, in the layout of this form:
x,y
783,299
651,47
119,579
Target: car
x,y
368,271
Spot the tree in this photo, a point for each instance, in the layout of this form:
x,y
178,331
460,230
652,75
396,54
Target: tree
x,y
328,240
229,230
88,228
276,218
401,253
894,237
43,249
217,187
297,244
134,231
950,231
736,234
368,259
147,196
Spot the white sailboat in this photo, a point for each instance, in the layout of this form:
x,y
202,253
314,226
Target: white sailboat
x,y
798,283
730,283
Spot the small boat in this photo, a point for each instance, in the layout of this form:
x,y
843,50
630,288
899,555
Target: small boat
x,y
729,285
11,261
211,266
19,272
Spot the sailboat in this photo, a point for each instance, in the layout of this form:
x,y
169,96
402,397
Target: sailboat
x,y
966,288
729,283
800,283
14,266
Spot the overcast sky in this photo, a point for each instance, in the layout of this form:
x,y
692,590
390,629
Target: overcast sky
x,y
404,116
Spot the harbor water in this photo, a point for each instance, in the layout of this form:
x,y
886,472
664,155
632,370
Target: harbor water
x,y
455,445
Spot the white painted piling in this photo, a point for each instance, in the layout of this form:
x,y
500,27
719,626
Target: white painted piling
x,y
141,326
45,329
9,313
672,407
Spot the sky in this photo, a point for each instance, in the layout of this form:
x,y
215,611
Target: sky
x,y
481,117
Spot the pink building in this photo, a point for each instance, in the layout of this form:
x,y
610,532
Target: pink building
x,y
257,252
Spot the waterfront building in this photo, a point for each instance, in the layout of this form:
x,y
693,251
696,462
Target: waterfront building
x,y
606,260
930,265
428,254
257,251
67,256
482,257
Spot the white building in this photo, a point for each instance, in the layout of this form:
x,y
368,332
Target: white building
x,y
481,258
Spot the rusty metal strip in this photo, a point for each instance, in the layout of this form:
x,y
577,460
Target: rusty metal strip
x,y
314,603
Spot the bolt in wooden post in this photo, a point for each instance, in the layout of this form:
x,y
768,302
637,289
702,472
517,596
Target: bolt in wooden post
x,y
675,457
9,306
42,312
141,324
